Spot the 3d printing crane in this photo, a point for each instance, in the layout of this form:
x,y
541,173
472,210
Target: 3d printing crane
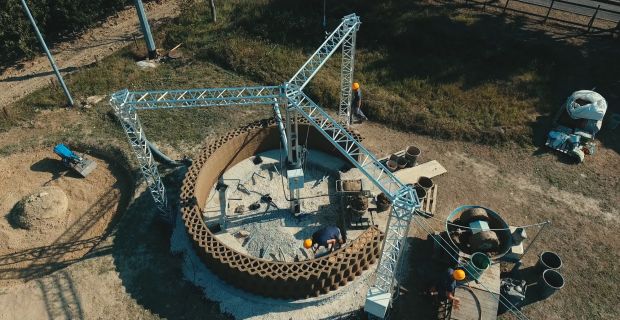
x,y
290,95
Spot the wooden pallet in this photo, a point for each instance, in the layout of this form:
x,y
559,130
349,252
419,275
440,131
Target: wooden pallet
x,y
429,203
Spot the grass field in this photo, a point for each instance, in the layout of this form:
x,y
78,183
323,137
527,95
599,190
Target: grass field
x,y
423,67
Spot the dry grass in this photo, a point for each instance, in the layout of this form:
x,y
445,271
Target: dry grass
x,y
424,68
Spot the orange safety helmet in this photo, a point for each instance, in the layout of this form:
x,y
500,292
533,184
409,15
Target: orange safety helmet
x,y
458,275
308,243
356,85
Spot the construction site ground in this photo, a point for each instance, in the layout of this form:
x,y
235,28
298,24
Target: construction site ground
x,y
131,273
138,278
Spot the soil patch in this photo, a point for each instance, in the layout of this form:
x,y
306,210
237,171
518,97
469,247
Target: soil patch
x,y
53,238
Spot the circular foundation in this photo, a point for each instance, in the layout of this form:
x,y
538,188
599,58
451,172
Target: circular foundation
x,y
277,279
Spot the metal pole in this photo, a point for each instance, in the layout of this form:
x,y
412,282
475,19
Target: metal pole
x,y
278,116
593,18
548,11
223,195
535,238
506,6
146,30
47,52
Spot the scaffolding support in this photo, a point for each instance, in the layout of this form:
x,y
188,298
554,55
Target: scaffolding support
x,y
325,51
346,78
404,199
146,30
48,53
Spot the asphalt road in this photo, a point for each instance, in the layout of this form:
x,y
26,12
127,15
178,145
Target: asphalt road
x,y
611,16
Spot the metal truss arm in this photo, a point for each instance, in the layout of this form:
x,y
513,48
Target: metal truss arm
x,y
137,139
167,99
346,144
348,25
346,78
404,200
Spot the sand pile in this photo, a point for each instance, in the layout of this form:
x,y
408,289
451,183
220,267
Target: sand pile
x,y
45,207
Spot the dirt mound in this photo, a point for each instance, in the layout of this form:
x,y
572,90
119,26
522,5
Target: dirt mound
x,y
42,209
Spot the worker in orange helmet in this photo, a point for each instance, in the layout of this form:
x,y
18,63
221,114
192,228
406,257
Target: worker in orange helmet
x,y
356,103
446,285
328,237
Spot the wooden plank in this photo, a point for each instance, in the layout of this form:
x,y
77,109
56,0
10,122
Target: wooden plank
x,y
434,199
475,304
489,279
429,169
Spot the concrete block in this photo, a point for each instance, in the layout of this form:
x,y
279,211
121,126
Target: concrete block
x,y
377,302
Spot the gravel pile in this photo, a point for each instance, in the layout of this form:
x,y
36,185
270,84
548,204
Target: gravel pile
x,y
268,240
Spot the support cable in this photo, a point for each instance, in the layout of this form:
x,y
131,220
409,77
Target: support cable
x,y
509,306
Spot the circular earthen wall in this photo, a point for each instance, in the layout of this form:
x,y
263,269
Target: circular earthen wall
x,y
285,280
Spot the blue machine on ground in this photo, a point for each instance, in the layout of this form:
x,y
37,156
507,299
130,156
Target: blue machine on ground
x,y
70,159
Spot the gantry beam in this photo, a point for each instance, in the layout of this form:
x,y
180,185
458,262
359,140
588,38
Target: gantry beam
x,y
346,78
126,103
348,25
166,99
352,149
404,198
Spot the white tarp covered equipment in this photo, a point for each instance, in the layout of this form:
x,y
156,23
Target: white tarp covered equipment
x,y
594,108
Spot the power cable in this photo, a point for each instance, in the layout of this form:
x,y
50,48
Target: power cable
x,y
494,229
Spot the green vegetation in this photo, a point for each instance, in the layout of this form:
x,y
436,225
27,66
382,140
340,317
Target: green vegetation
x,y
56,19
423,67
426,68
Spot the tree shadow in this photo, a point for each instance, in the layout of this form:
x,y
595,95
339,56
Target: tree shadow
x,y
38,75
36,262
477,70
422,274
61,299
149,272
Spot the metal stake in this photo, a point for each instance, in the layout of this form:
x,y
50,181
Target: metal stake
x,y
593,18
146,30
548,11
47,52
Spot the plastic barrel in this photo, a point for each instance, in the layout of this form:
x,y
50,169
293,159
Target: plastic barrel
x,y
478,263
548,260
412,153
550,282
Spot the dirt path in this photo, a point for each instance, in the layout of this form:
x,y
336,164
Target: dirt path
x,y
95,44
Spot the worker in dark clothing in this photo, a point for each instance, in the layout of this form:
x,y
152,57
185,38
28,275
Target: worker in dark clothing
x,y
328,237
447,284
356,103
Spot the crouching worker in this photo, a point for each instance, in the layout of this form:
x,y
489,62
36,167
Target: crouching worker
x,y
328,237
446,285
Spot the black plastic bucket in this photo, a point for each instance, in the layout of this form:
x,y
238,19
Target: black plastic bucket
x,y
420,192
425,182
548,260
412,153
550,281
391,165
